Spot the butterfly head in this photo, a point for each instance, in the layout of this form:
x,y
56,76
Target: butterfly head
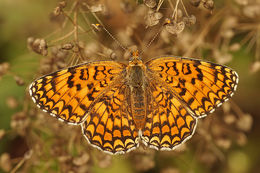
x,y
135,59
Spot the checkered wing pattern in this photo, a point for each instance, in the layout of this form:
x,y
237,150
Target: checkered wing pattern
x,y
110,126
199,85
70,93
168,122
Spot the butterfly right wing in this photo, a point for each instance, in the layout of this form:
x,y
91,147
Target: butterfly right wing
x,y
168,123
69,93
200,85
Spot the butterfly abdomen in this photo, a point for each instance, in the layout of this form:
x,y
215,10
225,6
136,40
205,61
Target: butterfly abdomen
x,y
138,105
136,83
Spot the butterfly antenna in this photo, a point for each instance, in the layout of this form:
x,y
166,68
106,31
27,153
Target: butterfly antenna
x,y
151,41
103,27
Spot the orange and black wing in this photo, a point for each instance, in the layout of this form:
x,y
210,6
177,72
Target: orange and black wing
x,y
68,94
168,123
109,125
201,86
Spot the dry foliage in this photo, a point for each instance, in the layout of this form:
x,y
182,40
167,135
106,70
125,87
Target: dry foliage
x,y
89,30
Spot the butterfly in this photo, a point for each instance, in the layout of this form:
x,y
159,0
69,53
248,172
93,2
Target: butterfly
x,y
120,105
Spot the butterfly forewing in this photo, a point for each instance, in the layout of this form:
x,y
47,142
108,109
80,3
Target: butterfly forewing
x,y
201,86
68,94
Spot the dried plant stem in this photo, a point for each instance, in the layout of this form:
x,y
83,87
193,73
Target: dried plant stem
x,y
62,38
204,32
18,166
247,37
175,12
73,6
159,5
87,21
75,21
27,156
237,109
184,8
257,53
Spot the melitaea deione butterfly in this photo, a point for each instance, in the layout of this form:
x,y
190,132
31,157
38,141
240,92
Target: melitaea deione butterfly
x,y
118,105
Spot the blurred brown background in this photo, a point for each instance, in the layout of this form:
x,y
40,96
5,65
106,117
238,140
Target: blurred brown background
x,y
225,32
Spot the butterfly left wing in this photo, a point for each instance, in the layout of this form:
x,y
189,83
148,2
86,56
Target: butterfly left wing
x,y
109,125
69,93
201,86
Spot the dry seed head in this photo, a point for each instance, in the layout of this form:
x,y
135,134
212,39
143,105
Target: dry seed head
x,y
255,67
245,122
170,170
61,64
20,122
234,47
81,160
230,22
91,49
229,119
222,57
64,158
62,4
152,18
11,102
97,8
226,107
229,33
109,53
242,2
175,28
144,162
37,45
190,20
5,162
57,11
252,11
209,4
150,3
67,46
241,139
19,81
4,67
104,160
195,3
2,133
28,154
126,6
179,13
224,143
208,157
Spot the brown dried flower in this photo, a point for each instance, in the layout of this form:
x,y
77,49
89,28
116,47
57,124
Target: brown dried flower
x,y
38,45
5,162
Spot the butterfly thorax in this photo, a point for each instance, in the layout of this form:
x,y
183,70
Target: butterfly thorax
x,y
136,83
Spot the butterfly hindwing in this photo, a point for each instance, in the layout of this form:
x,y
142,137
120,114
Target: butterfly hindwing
x,y
168,123
109,125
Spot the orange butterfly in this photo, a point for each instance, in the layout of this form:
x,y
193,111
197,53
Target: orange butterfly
x,y
119,105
